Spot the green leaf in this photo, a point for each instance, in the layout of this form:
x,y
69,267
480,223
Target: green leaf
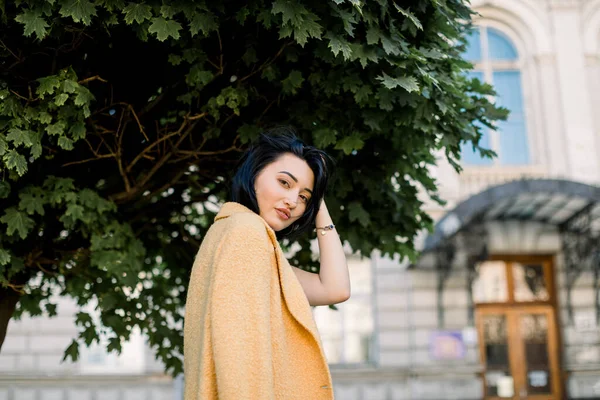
x,y
4,257
16,162
3,146
69,86
362,94
293,82
270,73
165,28
197,77
248,133
291,12
137,12
356,212
84,96
410,16
308,28
408,83
79,10
47,85
78,130
36,150
390,46
61,99
32,201
57,128
51,309
75,211
205,22
72,351
249,56
350,143
19,137
34,23
324,137
17,221
242,14
175,59
65,143
4,189
373,35
337,44
44,117
114,344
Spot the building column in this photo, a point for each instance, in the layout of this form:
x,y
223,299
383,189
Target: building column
x,y
578,127
552,140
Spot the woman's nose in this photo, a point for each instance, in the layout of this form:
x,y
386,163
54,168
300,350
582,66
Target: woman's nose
x,y
290,203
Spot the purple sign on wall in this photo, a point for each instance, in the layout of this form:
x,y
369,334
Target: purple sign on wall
x,y
446,345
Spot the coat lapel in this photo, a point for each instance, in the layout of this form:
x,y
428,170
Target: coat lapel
x,y
293,294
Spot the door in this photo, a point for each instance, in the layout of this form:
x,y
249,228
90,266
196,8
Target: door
x,y
517,330
519,353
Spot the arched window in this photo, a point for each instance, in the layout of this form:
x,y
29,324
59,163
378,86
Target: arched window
x,y
495,61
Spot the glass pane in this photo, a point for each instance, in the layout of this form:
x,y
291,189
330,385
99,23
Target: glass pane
x,y
514,149
472,157
534,333
508,88
529,282
490,285
499,381
500,46
473,52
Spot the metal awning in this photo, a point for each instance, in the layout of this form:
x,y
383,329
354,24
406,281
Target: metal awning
x,y
552,201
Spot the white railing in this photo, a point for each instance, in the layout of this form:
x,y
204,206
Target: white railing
x,y
476,179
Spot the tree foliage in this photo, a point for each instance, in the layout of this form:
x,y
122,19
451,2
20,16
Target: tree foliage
x,y
121,121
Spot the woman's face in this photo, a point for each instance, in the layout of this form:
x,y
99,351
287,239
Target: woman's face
x,y
283,189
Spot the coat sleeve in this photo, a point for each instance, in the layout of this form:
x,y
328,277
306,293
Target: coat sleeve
x,y
241,314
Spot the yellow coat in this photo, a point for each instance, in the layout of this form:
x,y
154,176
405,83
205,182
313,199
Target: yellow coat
x,y
249,331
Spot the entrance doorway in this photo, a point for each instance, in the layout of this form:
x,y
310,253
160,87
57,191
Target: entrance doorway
x,y
516,322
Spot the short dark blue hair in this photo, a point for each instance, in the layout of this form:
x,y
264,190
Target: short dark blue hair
x,y
271,145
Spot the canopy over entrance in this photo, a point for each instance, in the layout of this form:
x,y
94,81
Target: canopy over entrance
x,y
573,207
556,202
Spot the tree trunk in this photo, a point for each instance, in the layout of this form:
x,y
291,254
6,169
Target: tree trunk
x,y
8,302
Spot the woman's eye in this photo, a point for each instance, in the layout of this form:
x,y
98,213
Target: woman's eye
x,y
284,182
304,199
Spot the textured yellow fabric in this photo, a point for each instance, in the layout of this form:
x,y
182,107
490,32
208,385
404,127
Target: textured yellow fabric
x,y
249,331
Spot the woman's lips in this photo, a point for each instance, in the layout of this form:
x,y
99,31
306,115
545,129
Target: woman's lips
x,y
282,215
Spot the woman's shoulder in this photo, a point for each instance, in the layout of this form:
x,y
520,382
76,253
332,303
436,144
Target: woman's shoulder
x,y
245,225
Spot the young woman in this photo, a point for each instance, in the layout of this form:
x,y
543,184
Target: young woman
x,y
249,329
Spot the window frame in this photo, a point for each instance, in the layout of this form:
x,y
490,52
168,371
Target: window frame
x,y
487,67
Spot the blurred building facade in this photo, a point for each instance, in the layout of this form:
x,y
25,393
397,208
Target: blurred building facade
x,y
504,302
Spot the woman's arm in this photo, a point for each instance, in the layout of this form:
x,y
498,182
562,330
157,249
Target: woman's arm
x,y
332,284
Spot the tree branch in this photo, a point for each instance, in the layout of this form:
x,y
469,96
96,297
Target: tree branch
x,y
92,78
266,63
9,50
148,148
120,134
89,159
